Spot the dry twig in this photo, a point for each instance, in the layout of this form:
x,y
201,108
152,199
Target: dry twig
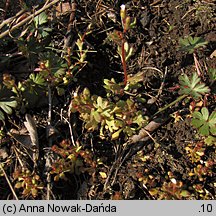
x,y
8,181
27,19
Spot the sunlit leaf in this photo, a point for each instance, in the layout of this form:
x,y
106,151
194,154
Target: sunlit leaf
x,y
34,192
192,86
40,19
116,134
97,116
185,193
210,140
6,104
203,122
37,79
103,175
18,185
2,117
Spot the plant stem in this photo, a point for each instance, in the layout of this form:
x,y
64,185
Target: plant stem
x,y
171,104
124,63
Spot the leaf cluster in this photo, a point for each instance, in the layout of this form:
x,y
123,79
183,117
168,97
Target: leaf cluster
x,y
190,44
204,122
192,86
7,102
30,183
70,160
109,116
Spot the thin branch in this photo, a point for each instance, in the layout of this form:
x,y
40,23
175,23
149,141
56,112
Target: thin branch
x,y
49,127
45,7
171,104
8,181
10,19
71,130
50,106
153,99
197,65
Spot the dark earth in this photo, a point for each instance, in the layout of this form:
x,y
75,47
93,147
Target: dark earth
x,y
161,167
